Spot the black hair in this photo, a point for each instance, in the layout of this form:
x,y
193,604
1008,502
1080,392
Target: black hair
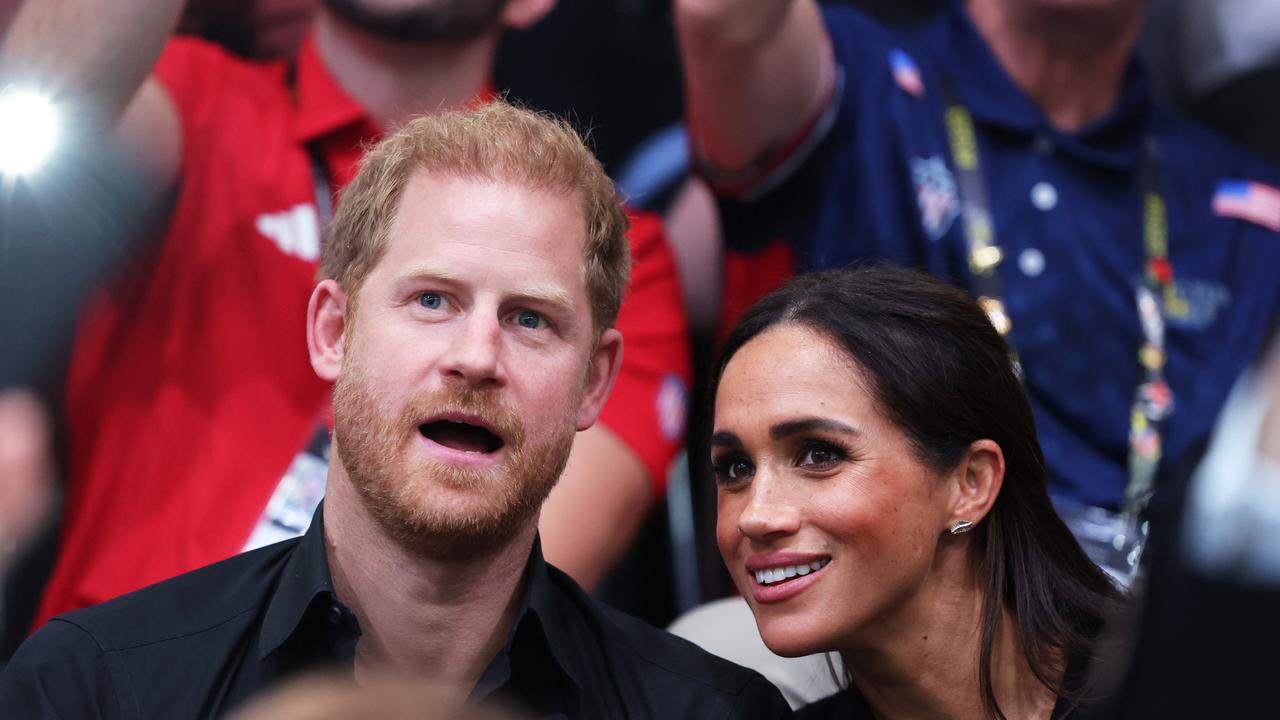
x,y
943,375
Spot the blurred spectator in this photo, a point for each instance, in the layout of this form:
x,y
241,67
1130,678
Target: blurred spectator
x,y
1204,643
1127,253
26,471
49,262
1221,60
182,418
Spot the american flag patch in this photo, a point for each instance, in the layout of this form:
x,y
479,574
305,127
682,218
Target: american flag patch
x,y
905,73
1256,202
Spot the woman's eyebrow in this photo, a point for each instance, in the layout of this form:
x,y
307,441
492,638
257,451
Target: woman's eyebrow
x,y
725,438
803,425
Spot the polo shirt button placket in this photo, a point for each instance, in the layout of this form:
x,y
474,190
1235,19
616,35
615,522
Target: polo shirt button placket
x,y
1044,196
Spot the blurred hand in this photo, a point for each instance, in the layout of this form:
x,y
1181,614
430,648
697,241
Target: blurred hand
x,y
26,470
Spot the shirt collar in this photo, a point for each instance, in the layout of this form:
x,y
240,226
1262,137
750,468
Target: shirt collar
x,y
1115,140
322,105
306,576
547,603
540,631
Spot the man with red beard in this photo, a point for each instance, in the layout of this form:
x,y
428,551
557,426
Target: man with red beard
x,y
472,279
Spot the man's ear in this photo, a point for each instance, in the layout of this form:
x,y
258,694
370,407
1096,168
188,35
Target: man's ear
x,y
326,328
976,482
520,14
601,374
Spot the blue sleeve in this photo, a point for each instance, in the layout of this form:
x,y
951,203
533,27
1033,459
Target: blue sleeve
x,y
59,672
833,180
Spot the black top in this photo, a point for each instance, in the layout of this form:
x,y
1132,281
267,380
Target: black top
x,y
849,704
202,643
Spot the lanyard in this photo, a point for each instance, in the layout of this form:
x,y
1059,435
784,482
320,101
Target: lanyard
x,y
1153,400
320,184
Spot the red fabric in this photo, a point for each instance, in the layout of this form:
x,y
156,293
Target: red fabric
x,y
190,389
655,354
750,276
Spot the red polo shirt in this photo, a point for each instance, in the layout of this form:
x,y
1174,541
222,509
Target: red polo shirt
x,y
190,389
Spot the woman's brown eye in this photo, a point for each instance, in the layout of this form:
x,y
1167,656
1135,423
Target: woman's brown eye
x,y
820,456
732,470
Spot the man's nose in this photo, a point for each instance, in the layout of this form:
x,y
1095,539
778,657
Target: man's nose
x,y
770,511
474,353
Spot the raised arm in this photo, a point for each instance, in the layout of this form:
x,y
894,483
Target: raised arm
x,y
755,72
95,59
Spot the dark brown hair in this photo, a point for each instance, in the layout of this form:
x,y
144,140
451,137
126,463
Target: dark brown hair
x,y
942,374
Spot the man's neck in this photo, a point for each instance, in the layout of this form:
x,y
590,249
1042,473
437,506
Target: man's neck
x,y
923,662
394,80
431,618
1071,62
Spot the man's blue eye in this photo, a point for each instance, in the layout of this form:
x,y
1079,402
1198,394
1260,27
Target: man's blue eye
x,y
431,301
529,319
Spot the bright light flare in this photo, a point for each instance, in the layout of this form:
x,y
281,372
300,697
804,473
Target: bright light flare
x,y
28,131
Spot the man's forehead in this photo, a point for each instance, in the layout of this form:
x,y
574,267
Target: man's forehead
x,y
524,288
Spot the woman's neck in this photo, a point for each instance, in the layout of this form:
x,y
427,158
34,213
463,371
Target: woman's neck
x,y
926,665
1070,61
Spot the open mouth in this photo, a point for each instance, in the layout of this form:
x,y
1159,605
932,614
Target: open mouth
x,y
777,575
461,436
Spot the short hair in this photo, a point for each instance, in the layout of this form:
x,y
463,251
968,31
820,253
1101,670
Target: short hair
x,y
495,141
938,370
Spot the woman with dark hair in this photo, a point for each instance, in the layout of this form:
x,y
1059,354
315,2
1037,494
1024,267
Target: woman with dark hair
x,y
882,495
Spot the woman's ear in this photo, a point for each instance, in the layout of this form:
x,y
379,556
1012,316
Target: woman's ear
x,y
975,484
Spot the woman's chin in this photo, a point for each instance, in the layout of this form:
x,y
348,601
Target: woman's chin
x,y
786,637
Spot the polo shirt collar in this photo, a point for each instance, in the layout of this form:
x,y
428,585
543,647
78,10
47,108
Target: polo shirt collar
x,y
322,105
306,577
1115,140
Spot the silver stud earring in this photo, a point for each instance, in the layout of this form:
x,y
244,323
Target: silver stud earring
x,y
961,526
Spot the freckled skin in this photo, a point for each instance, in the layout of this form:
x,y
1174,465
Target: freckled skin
x,y
877,512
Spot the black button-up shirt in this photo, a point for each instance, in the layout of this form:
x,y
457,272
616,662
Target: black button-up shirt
x,y
199,645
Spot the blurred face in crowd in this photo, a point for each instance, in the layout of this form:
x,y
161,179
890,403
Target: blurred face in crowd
x,y
827,522
468,363
421,20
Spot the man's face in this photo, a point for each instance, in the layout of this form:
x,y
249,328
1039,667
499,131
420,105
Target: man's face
x,y
465,362
421,20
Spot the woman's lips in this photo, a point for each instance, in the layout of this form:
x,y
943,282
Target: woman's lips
x,y
781,576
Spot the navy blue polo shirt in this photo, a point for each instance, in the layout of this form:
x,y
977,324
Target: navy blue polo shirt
x,y
875,179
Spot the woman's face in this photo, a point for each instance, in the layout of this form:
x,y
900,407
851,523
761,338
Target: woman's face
x,y
827,521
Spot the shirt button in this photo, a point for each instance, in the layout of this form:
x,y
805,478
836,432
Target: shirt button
x,y
1031,262
1044,145
335,614
1044,196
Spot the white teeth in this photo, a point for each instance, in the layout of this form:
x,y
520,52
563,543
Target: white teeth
x,y
778,574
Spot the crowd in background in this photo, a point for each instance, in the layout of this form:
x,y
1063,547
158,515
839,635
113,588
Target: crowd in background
x,y
737,177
